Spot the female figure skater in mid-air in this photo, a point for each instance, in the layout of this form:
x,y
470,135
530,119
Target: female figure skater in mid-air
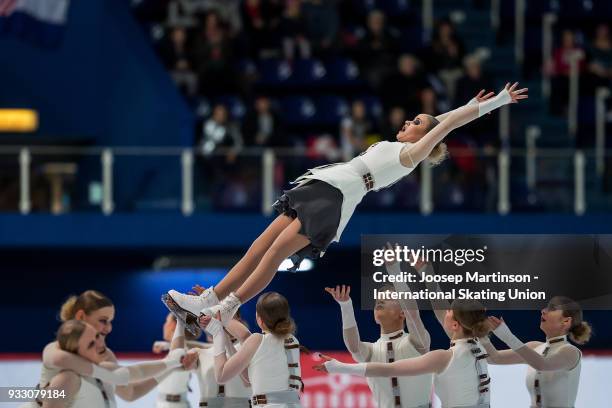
x,y
314,213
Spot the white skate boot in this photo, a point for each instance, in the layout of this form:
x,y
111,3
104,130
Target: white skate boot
x,y
186,308
227,307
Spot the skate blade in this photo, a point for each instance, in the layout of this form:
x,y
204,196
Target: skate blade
x,y
191,321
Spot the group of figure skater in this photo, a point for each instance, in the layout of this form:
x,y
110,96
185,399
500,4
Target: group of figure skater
x,y
238,368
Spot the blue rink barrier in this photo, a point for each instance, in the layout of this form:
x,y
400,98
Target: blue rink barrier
x,y
216,230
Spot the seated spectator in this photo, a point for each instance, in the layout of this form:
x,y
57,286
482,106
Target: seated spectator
x,y
177,57
469,85
220,132
261,23
559,68
429,102
213,57
377,49
600,55
445,54
293,31
322,147
353,131
404,86
322,25
227,10
393,123
262,125
472,81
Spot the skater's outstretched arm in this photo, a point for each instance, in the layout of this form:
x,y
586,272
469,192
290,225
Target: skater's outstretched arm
x,y
419,336
54,357
413,154
432,362
133,391
238,330
361,351
242,333
504,357
564,358
160,346
178,339
228,368
480,97
439,306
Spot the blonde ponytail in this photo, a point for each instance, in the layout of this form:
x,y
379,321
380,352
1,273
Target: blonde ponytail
x,y
88,301
581,333
67,310
438,154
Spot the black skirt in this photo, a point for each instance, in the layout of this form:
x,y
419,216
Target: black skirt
x,y
318,206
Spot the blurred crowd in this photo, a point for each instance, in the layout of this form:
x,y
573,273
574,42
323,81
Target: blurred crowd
x,y
211,49
593,48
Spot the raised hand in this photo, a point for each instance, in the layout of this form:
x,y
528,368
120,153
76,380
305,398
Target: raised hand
x,y
516,94
160,346
393,261
481,97
340,294
495,322
204,321
188,361
321,367
197,290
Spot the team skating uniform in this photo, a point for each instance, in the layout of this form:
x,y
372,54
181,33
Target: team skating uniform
x,y
274,372
92,392
327,196
173,390
553,389
465,381
232,394
404,392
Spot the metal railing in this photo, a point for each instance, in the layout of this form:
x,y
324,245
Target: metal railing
x,y
270,186
601,96
574,91
519,31
427,19
548,20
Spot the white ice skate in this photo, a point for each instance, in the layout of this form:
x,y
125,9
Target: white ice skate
x,y
186,308
227,307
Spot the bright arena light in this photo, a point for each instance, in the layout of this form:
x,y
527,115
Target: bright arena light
x,y
306,265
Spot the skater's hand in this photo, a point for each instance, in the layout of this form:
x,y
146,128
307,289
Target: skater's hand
x,y
204,320
340,294
321,367
515,94
160,346
196,290
494,322
393,261
189,360
481,97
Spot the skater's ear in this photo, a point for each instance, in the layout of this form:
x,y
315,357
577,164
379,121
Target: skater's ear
x,y
79,315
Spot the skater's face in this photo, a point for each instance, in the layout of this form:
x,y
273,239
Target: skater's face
x,y
413,130
101,319
91,345
553,323
388,313
169,327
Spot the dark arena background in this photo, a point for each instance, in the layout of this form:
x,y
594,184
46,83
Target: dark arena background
x,y
143,143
